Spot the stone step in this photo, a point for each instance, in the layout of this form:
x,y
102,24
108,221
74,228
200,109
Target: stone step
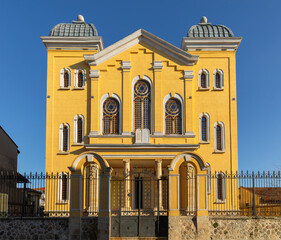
x,y
138,238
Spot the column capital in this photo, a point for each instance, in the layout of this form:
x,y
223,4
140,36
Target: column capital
x,y
126,160
188,74
94,74
158,161
157,65
126,66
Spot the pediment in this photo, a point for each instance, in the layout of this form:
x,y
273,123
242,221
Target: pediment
x,y
142,37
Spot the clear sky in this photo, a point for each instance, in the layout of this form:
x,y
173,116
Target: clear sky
x,y
23,63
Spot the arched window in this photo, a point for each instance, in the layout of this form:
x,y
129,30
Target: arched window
x,y
204,127
64,137
203,79
79,78
219,136
142,105
63,187
173,116
79,128
220,179
65,78
111,116
218,79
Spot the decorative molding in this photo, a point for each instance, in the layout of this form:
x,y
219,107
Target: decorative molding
x,y
188,74
142,156
94,74
126,65
141,36
190,134
93,134
157,65
210,44
73,43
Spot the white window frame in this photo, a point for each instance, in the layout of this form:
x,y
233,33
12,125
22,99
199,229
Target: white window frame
x,y
219,123
207,79
60,200
220,72
76,78
166,99
204,114
103,99
223,188
75,140
208,178
61,137
135,80
62,71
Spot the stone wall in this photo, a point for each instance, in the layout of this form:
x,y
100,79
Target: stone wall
x,y
34,228
241,228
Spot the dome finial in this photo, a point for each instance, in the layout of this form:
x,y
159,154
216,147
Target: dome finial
x,y
80,18
203,20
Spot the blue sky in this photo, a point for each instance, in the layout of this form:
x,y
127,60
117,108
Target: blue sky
x,y
23,63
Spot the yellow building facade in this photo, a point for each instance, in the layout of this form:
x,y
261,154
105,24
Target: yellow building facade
x,y
139,125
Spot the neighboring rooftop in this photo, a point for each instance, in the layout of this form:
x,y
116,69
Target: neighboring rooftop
x,y
205,29
75,29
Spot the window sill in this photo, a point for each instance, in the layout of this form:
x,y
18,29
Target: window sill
x,y
218,89
219,151
62,202
64,88
78,144
78,88
220,202
203,89
63,153
204,142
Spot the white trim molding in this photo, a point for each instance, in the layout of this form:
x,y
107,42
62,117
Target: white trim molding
x,y
165,100
207,79
75,140
188,74
76,80
207,116
219,123
61,137
94,74
103,99
62,71
135,80
126,66
141,36
220,72
157,65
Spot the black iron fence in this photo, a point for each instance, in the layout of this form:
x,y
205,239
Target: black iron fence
x,y
243,194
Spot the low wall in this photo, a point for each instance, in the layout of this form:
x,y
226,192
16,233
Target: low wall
x,y
216,228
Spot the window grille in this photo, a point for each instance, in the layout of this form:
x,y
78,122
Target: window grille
x,y
142,105
64,187
79,130
80,79
111,116
65,138
220,187
204,128
66,79
203,80
219,138
218,80
173,117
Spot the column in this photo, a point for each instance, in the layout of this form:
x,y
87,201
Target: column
x,y
188,128
160,188
93,189
126,98
127,184
157,99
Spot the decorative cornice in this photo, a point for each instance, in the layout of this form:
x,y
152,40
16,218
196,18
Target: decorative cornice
x,y
126,65
188,74
141,36
76,43
157,65
94,74
210,44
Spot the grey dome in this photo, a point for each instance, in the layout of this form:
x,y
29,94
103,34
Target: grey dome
x,y
205,29
75,29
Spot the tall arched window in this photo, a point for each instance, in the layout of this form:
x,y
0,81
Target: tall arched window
x,y
218,79
204,127
65,78
64,137
219,136
142,105
220,179
79,128
79,78
173,116
63,187
203,79
111,116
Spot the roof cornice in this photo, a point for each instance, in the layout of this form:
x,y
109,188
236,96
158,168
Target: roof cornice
x,y
76,43
210,43
142,36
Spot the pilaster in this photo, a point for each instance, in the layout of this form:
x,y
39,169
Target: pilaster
x,y
188,123
95,105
